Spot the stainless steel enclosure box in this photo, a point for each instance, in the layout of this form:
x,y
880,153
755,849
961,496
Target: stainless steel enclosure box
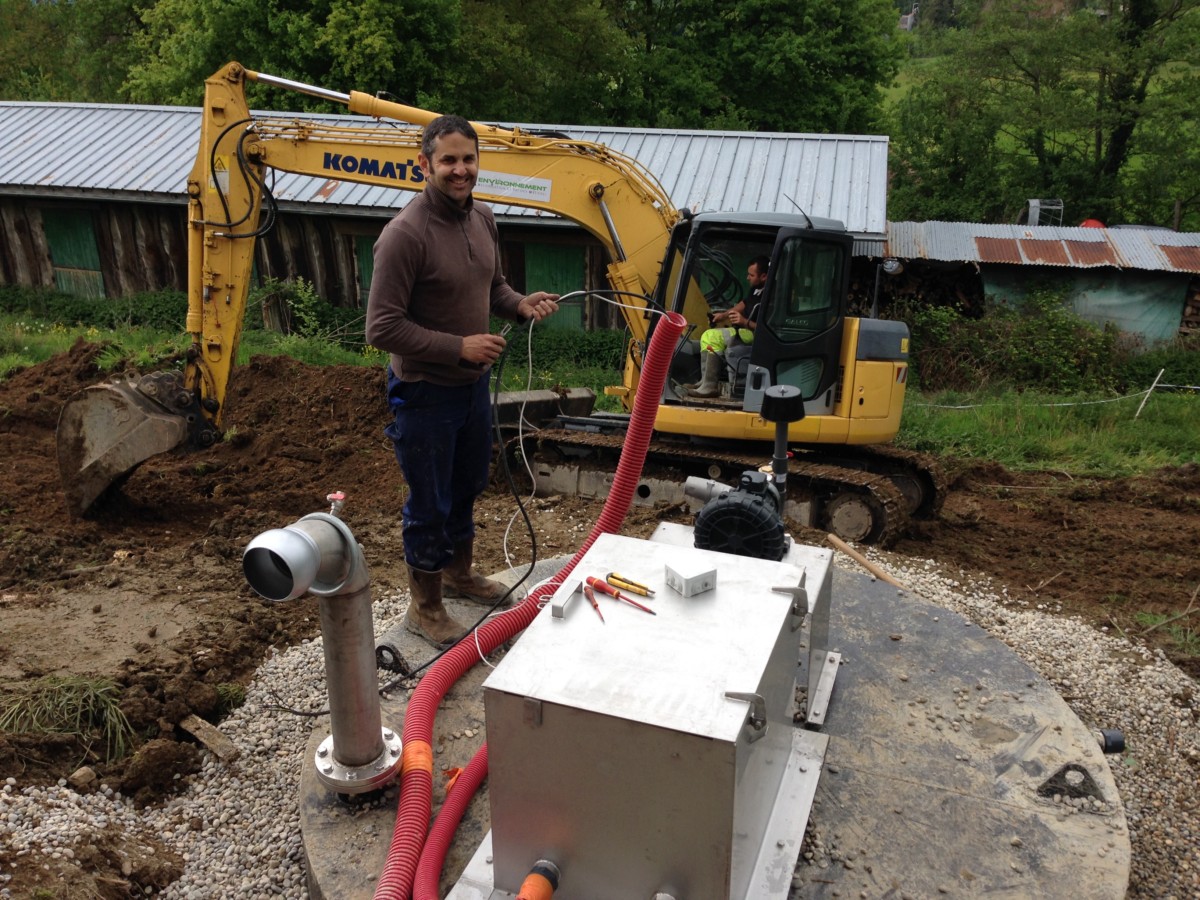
x,y
615,748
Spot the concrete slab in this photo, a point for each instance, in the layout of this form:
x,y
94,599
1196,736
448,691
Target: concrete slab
x,y
948,765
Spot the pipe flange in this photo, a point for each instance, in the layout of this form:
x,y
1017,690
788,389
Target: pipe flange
x,y
346,779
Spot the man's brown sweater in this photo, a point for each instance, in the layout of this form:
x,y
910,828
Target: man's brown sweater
x,y
437,278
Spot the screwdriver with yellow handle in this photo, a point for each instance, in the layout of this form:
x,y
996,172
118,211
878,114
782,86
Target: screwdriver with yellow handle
x,y
628,584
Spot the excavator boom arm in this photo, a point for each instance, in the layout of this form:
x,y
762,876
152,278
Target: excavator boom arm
x,y
231,203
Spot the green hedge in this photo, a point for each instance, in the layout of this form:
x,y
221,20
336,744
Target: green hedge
x,y
555,348
1179,363
162,310
1038,344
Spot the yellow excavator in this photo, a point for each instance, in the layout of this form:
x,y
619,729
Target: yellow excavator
x,y
851,372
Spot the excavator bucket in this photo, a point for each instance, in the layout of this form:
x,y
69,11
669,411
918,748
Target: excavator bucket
x,y
106,431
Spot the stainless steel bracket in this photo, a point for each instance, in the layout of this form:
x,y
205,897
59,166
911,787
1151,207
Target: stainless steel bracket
x,y
756,720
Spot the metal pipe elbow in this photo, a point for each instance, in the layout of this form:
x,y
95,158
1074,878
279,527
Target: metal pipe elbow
x,y
316,554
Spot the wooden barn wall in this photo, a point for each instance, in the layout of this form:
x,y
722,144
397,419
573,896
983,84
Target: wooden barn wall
x,y
318,249
142,246
24,256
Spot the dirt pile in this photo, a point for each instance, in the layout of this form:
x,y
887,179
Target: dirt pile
x,y
149,590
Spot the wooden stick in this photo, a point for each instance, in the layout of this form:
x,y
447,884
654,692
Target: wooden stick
x,y
875,570
1149,392
1186,612
1044,583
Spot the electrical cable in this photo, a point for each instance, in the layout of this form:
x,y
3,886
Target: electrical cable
x,y
212,164
253,179
498,374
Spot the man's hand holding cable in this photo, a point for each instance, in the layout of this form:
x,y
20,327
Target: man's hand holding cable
x,y
538,305
482,349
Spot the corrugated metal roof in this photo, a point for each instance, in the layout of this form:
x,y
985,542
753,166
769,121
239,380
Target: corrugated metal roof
x,y
69,149
1148,249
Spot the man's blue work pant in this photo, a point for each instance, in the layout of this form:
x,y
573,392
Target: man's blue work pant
x,y
443,439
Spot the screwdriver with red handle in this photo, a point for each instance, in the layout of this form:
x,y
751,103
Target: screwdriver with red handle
x,y
606,588
591,597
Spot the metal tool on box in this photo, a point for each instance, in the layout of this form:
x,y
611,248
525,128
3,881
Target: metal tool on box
x,y
595,584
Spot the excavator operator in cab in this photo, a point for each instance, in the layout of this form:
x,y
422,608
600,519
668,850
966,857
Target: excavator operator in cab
x,y
733,326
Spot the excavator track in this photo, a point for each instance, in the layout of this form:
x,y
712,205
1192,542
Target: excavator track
x,y
918,475
856,504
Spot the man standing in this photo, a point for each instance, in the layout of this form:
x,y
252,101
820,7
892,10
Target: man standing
x,y
437,278
734,325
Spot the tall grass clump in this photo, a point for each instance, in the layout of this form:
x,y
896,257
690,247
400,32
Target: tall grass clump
x,y
86,708
294,308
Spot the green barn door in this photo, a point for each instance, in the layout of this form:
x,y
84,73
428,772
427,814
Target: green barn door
x,y
73,252
364,253
559,269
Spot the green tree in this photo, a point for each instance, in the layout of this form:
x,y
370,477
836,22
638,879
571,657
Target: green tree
x,y
946,162
553,63
1075,98
389,45
1160,185
778,65
59,51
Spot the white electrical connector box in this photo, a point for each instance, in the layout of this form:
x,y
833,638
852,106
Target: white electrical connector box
x,y
689,579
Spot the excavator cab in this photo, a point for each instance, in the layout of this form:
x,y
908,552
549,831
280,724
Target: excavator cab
x,y
799,338
802,310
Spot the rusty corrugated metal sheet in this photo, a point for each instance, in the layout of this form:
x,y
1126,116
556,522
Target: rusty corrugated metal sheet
x,y
1050,253
1156,250
1185,259
993,249
1092,254
52,149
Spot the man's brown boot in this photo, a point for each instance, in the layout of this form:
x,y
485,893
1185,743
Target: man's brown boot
x,y
426,614
460,579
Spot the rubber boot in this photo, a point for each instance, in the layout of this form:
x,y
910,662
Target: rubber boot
x,y
459,578
710,367
427,616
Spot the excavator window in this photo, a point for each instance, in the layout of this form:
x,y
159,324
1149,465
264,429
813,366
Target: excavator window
x,y
805,295
717,276
712,268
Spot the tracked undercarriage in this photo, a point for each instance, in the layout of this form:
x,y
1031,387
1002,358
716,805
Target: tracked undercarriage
x,y
866,494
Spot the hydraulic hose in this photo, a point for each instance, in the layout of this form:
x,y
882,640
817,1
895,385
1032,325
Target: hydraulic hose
x,y
396,881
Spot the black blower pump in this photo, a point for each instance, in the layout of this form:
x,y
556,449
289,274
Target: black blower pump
x,y
748,519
